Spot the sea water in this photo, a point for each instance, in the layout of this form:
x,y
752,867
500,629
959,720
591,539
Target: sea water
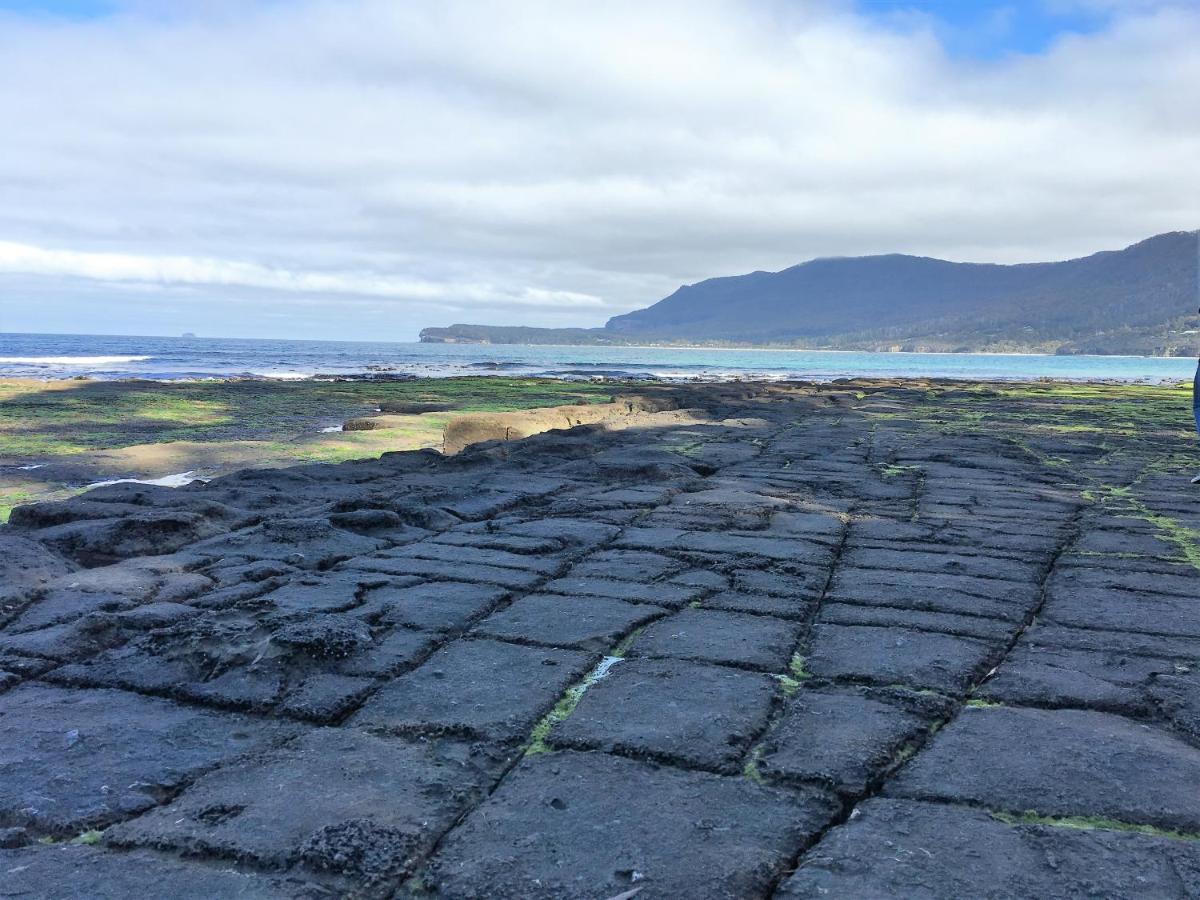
x,y
109,356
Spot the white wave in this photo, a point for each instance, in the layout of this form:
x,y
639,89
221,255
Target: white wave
x,y
283,376
332,429
179,480
70,360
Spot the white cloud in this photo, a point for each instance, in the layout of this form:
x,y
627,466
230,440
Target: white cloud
x,y
185,270
513,161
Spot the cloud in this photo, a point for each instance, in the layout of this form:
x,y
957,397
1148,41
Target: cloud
x,y
515,161
184,270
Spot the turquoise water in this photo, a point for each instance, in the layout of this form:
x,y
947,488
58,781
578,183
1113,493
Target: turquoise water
x,y
107,356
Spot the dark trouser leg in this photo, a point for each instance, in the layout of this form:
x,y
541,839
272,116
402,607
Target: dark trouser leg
x,y
1196,398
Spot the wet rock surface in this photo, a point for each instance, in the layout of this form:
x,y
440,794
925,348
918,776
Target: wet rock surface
x,y
751,640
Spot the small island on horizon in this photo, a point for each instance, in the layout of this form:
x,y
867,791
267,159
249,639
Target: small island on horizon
x,y
1137,301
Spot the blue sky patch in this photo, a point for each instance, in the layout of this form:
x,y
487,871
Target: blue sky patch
x,y
988,30
67,9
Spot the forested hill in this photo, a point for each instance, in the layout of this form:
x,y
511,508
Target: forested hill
x,y
1142,299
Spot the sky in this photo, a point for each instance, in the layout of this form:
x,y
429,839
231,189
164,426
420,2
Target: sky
x,y
360,169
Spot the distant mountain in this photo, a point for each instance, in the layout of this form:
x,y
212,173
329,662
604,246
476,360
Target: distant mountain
x,y
1140,300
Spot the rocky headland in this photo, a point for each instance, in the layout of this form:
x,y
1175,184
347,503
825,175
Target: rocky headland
x,y
862,639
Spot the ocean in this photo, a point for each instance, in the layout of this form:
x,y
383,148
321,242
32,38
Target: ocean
x,y
168,358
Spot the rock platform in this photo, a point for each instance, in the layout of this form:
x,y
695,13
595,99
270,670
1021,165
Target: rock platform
x,y
867,639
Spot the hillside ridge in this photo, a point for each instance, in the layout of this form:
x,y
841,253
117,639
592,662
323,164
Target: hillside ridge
x,y
1138,300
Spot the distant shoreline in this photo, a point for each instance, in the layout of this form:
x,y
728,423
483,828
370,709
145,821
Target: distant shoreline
x,y
47,358
760,349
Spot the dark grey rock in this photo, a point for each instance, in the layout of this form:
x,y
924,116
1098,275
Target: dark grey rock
x,y
435,605
74,759
1059,763
688,713
74,872
627,565
754,642
844,738
918,659
985,629
1035,675
585,623
335,800
780,607
586,825
477,687
444,570
895,848
662,594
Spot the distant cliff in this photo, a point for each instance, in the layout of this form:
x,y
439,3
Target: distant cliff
x,y
1140,300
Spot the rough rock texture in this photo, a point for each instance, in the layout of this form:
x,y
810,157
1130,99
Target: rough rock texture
x,y
895,848
743,641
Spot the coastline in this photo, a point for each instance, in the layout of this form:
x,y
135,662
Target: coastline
x,y
53,357
60,437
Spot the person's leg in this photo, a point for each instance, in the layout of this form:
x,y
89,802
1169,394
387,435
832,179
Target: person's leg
x,y
1196,409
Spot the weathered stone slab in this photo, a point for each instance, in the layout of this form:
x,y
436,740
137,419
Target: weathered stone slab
x,y
626,565
663,594
74,759
1185,650
1059,763
866,583
577,532
738,639
586,825
486,688
448,571
498,541
25,566
1079,583
919,659
307,543
325,697
972,565
844,738
690,713
434,605
1126,611
390,653
585,623
763,604
1177,698
543,564
75,872
331,592
895,848
70,597
984,629
794,583
334,801
1035,675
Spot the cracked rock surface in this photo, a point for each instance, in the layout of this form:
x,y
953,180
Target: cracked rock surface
x,y
866,639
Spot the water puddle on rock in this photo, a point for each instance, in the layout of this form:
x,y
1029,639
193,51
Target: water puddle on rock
x,y
173,481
